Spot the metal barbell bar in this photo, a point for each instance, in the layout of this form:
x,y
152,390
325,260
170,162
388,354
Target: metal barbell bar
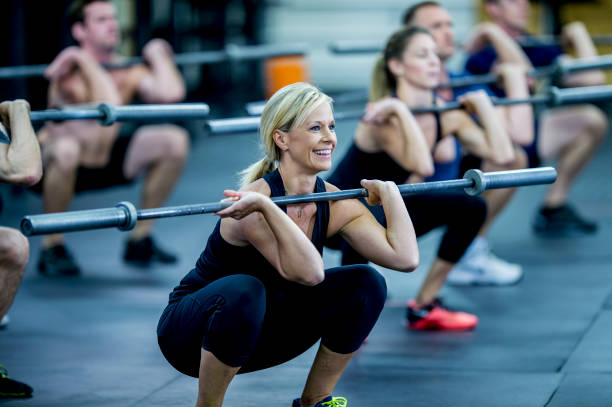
x,y
125,215
554,97
562,67
374,46
231,52
107,114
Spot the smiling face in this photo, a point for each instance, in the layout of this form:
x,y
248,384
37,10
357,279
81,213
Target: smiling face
x,y
440,24
310,144
420,64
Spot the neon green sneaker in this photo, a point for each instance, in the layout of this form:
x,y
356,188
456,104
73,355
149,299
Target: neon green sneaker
x,y
326,402
10,388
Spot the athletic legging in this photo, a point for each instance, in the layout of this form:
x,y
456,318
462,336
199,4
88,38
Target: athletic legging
x,y
242,325
463,216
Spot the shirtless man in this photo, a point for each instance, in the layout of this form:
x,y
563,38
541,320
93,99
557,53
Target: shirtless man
x,y
82,155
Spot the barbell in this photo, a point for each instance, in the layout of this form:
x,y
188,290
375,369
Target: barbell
x,y
125,215
553,97
108,114
348,47
230,53
561,67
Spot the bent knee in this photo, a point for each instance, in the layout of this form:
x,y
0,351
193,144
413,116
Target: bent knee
x,y
597,122
65,153
14,249
245,291
368,277
475,210
176,141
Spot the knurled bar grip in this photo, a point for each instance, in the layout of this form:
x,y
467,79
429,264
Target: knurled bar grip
x,y
125,215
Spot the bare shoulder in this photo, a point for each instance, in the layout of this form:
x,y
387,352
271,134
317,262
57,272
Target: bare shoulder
x,y
260,185
330,187
342,211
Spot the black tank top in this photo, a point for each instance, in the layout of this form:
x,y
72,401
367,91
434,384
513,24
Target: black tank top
x,y
358,164
220,258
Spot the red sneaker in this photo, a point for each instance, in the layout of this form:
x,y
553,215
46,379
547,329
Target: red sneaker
x,y
436,317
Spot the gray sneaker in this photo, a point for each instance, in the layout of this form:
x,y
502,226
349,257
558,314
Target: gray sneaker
x,y
479,266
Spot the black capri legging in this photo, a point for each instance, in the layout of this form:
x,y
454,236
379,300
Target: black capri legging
x,y
463,216
242,325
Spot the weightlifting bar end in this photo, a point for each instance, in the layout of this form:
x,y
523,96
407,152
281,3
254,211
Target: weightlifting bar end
x,y
508,179
26,226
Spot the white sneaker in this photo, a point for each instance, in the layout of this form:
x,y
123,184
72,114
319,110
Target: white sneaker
x,y
481,267
4,321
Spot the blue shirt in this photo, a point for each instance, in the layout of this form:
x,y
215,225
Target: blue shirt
x,y
452,169
538,54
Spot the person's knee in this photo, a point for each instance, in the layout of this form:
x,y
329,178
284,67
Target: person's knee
x,y
14,249
596,123
176,142
474,210
368,280
246,296
65,154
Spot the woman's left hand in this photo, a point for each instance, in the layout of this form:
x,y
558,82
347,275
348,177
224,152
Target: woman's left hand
x,y
376,189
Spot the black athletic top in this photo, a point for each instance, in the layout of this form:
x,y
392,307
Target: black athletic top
x,y
220,258
358,164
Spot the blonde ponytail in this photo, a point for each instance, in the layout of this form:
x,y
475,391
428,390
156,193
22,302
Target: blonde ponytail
x,y
256,170
379,84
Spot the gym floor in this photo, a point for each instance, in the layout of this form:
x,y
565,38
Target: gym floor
x,y
90,340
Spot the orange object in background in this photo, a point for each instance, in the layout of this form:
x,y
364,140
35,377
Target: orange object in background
x,y
282,71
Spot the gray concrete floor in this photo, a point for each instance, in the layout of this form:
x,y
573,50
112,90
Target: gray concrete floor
x,y
90,341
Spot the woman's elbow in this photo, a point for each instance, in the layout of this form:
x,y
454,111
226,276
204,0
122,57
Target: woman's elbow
x,y
523,137
310,276
426,170
313,278
503,156
408,263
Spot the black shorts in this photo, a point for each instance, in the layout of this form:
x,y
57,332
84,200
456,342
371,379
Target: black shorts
x,y
111,174
88,179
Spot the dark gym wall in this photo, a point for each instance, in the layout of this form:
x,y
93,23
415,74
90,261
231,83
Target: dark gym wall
x,y
36,31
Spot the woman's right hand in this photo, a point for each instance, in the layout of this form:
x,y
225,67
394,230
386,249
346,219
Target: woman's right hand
x,y
378,112
245,203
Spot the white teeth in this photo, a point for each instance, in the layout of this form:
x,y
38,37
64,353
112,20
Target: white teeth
x,y
323,152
